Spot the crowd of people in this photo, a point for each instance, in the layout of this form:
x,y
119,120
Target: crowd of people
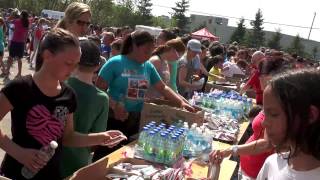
x,y
90,84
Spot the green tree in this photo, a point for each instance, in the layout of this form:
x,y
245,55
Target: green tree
x,y
102,11
178,16
239,34
159,21
314,52
274,42
297,46
123,14
144,8
256,38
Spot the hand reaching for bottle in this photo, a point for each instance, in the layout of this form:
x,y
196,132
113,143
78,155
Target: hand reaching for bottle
x,y
217,156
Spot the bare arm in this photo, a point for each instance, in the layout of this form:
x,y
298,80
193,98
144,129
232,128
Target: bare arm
x,y
6,143
169,94
75,139
182,76
156,63
255,147
244,89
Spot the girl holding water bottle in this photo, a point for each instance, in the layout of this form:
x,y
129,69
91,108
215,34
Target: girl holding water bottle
x,y
42,109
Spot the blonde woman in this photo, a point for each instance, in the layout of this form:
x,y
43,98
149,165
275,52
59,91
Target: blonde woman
x,y
77,19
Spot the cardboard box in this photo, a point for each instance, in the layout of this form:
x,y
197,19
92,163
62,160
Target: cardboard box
x,y
94,171
168,113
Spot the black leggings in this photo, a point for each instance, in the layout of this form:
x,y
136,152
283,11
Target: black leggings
x,y
129,127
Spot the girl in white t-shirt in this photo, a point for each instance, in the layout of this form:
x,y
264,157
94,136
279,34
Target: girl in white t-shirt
x,y
291,104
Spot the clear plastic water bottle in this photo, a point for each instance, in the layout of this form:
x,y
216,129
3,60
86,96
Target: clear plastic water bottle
x,y
172,149
148,148
142,137
48,151
162,148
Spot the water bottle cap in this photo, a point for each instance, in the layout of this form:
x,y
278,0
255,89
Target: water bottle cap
x,y
53,144
174,137
145,128
152,132
163,134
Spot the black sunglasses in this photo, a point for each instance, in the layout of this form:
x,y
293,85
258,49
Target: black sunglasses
x,y
82,23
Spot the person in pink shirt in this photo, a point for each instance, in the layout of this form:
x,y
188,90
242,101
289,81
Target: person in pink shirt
x,y
17,45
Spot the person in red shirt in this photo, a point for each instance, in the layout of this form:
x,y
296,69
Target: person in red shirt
x,y
257,148
254,82
17,45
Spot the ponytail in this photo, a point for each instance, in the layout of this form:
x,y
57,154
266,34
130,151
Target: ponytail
x,y
161,49
126,45
137,38
61,24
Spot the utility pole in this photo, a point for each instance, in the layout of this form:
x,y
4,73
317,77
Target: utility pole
x,y
312,25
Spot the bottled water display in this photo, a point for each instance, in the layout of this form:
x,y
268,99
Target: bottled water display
x,y
231,104
167,144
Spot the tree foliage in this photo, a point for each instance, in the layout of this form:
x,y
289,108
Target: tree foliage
x,y
239,34
297,46
314,52
179,17
144,8
256,37
274,42
105,12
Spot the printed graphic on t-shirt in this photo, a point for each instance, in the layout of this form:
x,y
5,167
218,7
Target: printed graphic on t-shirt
x,y
61,113
137,84
137,88
43,125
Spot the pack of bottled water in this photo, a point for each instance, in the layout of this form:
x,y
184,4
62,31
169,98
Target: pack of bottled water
x,y
167,144
161,143
230,104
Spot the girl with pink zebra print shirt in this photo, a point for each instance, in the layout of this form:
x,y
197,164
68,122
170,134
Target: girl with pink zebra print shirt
x,y
42,109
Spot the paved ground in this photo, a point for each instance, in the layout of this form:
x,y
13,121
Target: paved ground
x,y
5,123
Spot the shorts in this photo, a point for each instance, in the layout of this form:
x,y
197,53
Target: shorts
x,y
16,49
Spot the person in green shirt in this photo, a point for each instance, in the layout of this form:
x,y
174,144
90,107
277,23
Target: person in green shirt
x,y
92,108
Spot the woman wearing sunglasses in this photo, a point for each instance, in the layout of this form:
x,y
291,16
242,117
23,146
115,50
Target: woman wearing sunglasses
x,y
77,19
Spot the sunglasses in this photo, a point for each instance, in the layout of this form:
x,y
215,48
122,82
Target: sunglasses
x,y
83,23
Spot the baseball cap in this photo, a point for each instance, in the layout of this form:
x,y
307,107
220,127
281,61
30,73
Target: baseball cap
x,y
90,53
194,45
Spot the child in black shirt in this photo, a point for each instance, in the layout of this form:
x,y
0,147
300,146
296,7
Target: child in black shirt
x,y
42,109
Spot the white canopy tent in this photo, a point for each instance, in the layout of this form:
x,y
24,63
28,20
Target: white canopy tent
x,y
154,31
